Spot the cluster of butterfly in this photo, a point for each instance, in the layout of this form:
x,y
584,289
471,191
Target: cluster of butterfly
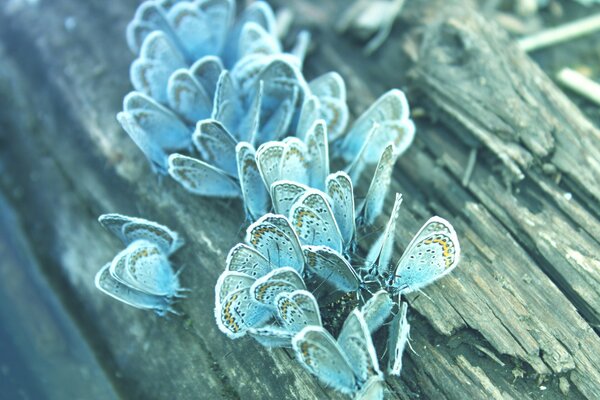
x,y
141,274
225,112
265,290
217,90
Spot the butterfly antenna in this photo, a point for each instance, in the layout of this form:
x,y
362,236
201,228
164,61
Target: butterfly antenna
x,y
323,281
412,348
384,353
241,228
374,231
425,294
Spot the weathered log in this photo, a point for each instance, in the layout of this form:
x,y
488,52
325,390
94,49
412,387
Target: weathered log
x,y
526,295
516,315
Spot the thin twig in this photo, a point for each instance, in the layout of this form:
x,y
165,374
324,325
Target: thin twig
x,y
580,83
560,34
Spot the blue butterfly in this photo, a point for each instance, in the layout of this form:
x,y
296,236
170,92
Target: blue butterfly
x,y
141,275
432,253
347,364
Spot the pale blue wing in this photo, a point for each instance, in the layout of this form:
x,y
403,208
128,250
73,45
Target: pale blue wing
x,y
149,17
357,166
341,193
154,129
284,193
268,159
377,310
216,145
297,310
128,295
230,282
335,114
245,73
272,336
258,12
319,353
158,59
330,84
371,208
283,224
254,39
187,97
277,243
280,280
330,89
433,253
254,192
276,125
228,109
283,88
168,240
238,313
330,267
398,133
318,151
206,71
398,339
295,161
355,340
379,259
245,259
391,106
148,269
114,223
313,221
248,128
309,114
201,26
201,178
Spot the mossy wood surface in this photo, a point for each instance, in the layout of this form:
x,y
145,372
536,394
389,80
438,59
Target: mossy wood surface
x,y
517,319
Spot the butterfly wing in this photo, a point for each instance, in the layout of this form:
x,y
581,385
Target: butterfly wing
x,y
318,152
329,266
355,341
216,145
158,59
187,97
319,353
341,192
256,197
128,295
201,178
295,161
313,220
245,259
398,339
297,310
373,203
284,193
377,310
275,242
280,280
433,253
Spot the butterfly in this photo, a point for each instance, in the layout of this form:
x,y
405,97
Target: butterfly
x,y
345,364
432,253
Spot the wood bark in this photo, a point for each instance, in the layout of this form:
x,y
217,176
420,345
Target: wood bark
x,y
517,318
